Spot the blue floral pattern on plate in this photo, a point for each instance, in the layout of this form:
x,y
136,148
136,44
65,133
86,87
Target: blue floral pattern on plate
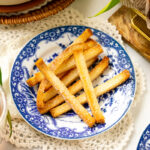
x,y
48,45
144,143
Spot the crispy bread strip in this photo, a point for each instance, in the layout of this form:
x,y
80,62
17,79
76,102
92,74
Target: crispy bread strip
x,y
35,79
68,51
99,90
83,37
67,65
77,46
69,98
60,76
63,68
38,77
67,79
40,96
88,87
76,87
88,54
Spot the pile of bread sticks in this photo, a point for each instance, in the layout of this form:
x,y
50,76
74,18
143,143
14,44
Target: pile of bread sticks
x,y
56,91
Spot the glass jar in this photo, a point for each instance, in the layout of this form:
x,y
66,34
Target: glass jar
x,y
3,108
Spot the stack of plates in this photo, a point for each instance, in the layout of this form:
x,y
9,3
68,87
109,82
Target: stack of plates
x,y
23,11
16,6
12,2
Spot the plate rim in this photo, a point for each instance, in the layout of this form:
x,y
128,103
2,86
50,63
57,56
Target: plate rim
x,y
88,136
141,140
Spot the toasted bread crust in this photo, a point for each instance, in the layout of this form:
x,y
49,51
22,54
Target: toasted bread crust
x,y
99,90
62,90
77,86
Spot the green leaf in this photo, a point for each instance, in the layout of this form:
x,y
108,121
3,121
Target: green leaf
x,y
110,5
10,123
0,77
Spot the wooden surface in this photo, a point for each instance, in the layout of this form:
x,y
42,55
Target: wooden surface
x,y
122,19
50,9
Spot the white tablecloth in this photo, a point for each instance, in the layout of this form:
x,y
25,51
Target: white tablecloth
x,y
142,111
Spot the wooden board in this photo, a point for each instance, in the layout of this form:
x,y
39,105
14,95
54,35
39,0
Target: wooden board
x,y
122,19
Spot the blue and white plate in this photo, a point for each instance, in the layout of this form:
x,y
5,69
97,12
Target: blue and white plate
x,y
144,143
48,45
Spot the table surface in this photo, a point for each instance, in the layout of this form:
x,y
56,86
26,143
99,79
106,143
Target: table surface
x,y
142,111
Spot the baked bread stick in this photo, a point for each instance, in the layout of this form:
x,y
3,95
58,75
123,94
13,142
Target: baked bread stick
x,y
67,79
67,65
40,92
76,87
99,90
69,98
60,76
68,51
38,77
63,75
88,54
77,46
83,37
88,87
